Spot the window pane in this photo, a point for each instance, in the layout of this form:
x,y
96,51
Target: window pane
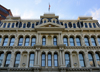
x,y
12,41
31,62
65,41
98,59
67,60
55,60
8,60
90,25
8,25
43,41
91,60
71,41
78,42
5,42
17,60
81,60
43,59
27,42
94,25
86,41
20,41
86,25
4,25
55,41
1,58
12,25
0,39
49,60
98,40
93,41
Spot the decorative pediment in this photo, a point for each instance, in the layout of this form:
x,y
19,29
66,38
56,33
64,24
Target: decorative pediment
x,y
49,25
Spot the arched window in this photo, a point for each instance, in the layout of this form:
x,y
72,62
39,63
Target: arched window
x,y
43,41
91,61
27,40
24,26
43,59
71,41
7,62
93,41
94,25
20,41
1,58
5,41
65,25
4,25
86,25
49,59
65,41
31,61
67,59
55,41
86,41
33,41
17,60
74,25
12,41
98,58
90,25
81,58
55,59
8,25
0,39
78,42
13,25
28,24
98,40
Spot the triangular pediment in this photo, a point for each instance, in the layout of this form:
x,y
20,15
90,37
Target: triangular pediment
x,y
50,25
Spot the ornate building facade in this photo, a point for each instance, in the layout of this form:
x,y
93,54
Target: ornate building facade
x,y
49,45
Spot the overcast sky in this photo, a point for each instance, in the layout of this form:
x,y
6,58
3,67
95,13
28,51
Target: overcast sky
x,y
66,9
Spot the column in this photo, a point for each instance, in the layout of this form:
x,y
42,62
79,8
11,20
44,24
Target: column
x,y
95,61
88,24
16,41
30,41
46,39
71,60
60,58
75,41
46,60
37,39
3,62
92,25
8,41
2,41
51,39
78,60
67,25
23,40
12,59
96,41
27,60
52,60
76,24
11,25
68,41
72,25
36,57
63,58
82,41
90,41
59,40
86,59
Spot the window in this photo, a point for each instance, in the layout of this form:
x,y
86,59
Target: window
x,y
33,25
65,25
1,58
54,41
43,41
4,25
94,25
8,25
44,21
20,24
53,21
55,59
27,41
91,59
74,26
31,61
24,26
49,59
20,41
67,60
93,41
7,62
43,59
70,24
12,41
90,25
0,39
98,40
86,41
71,41
17,23
78,41
28,24
13,25
33,41
17,60
86,25
65,41
81,58
5,41
98,58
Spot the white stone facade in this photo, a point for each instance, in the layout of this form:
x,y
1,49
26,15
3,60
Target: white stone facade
x,y
49,29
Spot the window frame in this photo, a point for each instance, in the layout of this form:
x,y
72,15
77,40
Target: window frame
x,y
43,41
31,60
